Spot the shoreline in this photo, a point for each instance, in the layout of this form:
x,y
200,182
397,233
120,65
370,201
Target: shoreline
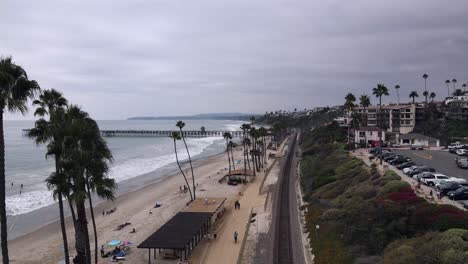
x,y
166,172
44,245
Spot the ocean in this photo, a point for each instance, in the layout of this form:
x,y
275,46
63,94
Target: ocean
x,y
134,157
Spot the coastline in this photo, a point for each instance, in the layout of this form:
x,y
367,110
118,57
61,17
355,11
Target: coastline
x,y
43,245
48,215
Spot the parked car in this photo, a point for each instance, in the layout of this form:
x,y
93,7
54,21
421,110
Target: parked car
x,y
407,171
435,179
462,163
399,160
405,165
459,180
455,146
388,158
417,147
422,175
422,169
462,152
465,204
459,194
447,186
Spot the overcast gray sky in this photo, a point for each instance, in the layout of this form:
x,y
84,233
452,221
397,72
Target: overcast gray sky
x,y
122,58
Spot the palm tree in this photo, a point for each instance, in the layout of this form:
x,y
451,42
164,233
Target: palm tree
x,y
263,132
454,81
432,96
458,92
176,136
16,89
253,136
227,136
426,94
75,156
413,95
52,103
97,180
380,91
397,87
245,128
349,104
364,101
425,76
448,87
231,146
181,125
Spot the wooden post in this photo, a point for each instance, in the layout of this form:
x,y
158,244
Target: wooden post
x,y
149,255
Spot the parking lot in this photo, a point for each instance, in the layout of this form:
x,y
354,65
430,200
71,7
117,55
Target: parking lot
x,y
442,161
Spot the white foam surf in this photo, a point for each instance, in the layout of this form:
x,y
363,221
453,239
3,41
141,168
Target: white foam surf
x,y
32,200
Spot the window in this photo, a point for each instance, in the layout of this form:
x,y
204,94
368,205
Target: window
x,y
370,133
379,134
362,134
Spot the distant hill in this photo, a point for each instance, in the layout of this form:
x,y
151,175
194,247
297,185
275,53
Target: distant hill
x,y
209,116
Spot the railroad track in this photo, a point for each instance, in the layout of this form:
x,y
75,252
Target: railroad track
x,y
283,253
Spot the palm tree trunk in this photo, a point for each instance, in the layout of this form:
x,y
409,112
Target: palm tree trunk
x,y
229,158
232,156
380,124
398,96
81,235
245,163
72,210
94,223
180,168
62,216
190,161
3,218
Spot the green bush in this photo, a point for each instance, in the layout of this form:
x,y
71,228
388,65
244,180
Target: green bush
x,y
394,186
391,176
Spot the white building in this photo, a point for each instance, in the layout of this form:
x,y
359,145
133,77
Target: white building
x,y
369,135
417,139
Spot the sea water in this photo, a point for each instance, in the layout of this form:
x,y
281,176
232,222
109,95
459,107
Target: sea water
x,y
26,163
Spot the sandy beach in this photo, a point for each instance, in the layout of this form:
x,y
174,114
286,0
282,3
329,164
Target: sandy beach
x,y
45,244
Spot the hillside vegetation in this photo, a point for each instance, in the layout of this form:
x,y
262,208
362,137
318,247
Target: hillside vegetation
x,y
365,217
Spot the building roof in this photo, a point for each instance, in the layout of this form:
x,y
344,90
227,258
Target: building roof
x,y
177,232
205,205
416,136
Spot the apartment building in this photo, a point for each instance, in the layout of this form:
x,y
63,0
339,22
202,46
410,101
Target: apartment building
x,y
457,107
394,118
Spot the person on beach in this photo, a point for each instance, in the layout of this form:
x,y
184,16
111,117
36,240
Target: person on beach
x,y
102,250
238,205
235,236
11,184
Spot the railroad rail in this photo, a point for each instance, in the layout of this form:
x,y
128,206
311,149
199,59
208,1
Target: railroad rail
x,y
283,252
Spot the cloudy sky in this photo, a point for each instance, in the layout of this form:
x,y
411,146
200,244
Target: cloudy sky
x,y
122,58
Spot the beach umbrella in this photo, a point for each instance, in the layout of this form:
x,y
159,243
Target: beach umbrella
x,y
114,242
127,243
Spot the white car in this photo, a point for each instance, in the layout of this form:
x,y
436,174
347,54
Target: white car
x,y
410,169
462,152
436,178
453,179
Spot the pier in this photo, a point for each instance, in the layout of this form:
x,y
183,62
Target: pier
x,y
162,133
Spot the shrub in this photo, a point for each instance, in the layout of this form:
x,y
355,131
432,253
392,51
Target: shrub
x,y
391,176
395,186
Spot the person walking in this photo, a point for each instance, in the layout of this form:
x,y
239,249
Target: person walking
x,y
235,236
102,250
